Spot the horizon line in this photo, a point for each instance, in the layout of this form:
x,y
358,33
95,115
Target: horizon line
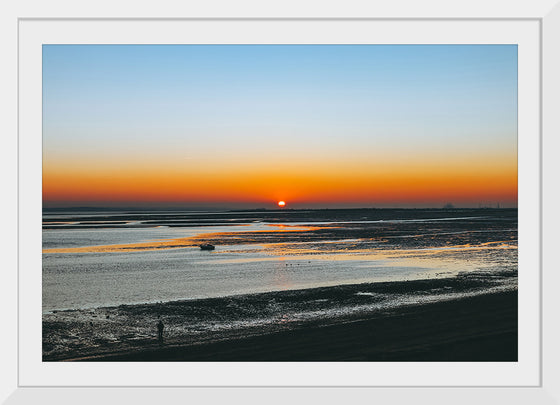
x,y
179,208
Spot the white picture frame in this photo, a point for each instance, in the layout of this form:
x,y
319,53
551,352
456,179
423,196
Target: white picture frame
x,y
547,16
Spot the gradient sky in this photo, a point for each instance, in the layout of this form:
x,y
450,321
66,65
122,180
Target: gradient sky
x,y
248,125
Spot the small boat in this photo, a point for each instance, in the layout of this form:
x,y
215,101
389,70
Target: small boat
x,y
207,247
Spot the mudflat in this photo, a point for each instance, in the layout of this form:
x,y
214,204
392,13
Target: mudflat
x,y
478,328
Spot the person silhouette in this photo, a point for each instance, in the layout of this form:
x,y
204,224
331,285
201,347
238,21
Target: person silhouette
x,y
160,331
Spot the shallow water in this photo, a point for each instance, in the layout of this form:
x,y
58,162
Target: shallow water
x,y
258,253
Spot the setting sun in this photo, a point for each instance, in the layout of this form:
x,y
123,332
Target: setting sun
x,y
281,203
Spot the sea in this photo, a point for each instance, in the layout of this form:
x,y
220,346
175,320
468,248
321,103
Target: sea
x,y
94,259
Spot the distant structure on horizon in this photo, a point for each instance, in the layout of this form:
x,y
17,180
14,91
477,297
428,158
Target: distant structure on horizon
x,y
448,206
488,205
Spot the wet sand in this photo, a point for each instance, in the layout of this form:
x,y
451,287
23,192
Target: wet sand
x,y
450,296
479,328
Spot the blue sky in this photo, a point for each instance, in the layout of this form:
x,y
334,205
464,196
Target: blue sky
x,y
323,100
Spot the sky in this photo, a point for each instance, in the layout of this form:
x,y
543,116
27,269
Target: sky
x,y
245,126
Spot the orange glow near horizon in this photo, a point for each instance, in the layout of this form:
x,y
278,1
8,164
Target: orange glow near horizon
x,y
369,181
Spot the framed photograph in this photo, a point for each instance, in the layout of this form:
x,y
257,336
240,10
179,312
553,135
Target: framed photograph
x,y
283,202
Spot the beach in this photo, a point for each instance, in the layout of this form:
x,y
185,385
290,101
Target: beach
x,y
452,319
314,285
482,328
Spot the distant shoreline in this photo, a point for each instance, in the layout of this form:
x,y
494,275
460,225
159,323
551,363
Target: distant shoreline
x,y
479,328
257,209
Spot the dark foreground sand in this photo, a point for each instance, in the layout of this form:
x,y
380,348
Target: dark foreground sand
x,y
480,328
